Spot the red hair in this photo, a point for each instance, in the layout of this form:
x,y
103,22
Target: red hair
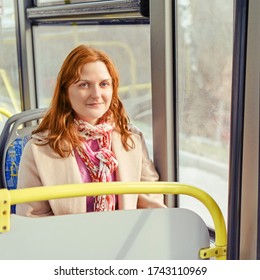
x,y
59,120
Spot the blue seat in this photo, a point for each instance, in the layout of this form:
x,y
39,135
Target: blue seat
x,y
15,134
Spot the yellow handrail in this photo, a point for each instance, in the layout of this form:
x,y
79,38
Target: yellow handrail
x,y
13,197
5,112
10,89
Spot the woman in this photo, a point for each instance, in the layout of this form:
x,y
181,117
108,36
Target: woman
x,y
86,137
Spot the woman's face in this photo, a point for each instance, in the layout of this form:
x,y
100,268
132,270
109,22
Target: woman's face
x,y
90,97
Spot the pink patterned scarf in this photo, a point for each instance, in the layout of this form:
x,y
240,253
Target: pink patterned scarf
x,y
100,164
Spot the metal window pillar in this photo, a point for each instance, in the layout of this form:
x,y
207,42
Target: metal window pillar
x,y
250,173
244,144
25,55
162,18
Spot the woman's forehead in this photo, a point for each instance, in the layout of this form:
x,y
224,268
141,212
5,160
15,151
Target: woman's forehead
x,y
97,69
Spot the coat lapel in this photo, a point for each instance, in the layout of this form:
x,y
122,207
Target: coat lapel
x,y
54,170
129,167
129,162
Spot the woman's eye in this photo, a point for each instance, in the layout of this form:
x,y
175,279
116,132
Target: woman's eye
x,y
105,84
83,85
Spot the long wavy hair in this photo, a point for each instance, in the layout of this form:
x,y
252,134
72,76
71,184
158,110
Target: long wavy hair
x,y
58,122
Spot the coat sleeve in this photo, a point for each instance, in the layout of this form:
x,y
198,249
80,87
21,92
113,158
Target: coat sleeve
x,y
148,173
28,177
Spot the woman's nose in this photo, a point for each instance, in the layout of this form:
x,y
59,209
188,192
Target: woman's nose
x,y
95,91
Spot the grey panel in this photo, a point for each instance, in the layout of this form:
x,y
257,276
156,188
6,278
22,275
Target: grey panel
x,y
128,234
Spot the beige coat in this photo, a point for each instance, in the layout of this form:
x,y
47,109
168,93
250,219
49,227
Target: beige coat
x,y
40,166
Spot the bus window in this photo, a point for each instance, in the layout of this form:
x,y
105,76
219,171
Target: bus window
x,y
205,33
9,85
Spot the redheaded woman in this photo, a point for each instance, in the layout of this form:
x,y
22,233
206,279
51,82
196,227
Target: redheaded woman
x,y
86,137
